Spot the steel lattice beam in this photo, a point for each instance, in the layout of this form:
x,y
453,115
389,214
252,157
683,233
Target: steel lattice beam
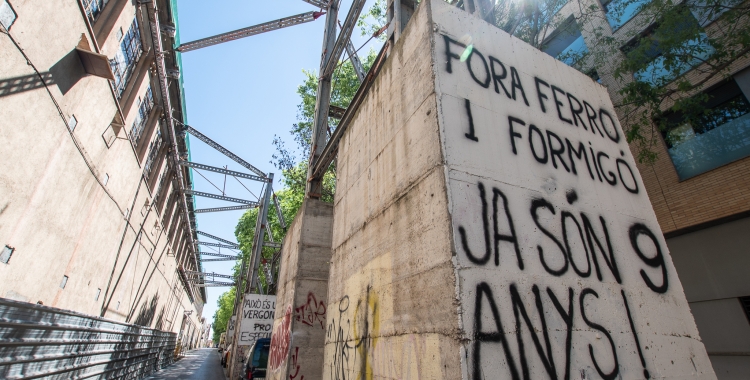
x,y
233,246
336,112
220,197
343,38
271,244
328,153
222,171
218,209
318,3
279,214
225,151
217,283
206,274
214,237
207,260
218,255
250,31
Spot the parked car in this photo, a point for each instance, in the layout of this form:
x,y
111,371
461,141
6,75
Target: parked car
x,y
256,360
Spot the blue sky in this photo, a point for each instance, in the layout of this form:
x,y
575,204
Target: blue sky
x,y
242,93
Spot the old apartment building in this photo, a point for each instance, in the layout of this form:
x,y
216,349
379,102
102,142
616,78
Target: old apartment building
x,y
92,218
698,184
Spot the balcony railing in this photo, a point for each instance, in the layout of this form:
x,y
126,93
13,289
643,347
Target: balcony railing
x,y
699,153
94,8
126,58
574,52
144,110
152,153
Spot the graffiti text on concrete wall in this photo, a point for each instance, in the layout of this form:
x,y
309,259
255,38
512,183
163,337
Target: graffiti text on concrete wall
x,y
356,340
312,313
542,143
280,340
595,255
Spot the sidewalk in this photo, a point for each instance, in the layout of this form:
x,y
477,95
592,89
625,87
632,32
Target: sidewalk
x,y
199,364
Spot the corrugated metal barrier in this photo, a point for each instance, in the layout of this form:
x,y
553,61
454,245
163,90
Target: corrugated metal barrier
x,y
44,342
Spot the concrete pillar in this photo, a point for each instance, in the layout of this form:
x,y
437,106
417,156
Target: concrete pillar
x,y
491,223
301,303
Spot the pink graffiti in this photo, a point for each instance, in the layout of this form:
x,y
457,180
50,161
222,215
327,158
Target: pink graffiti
x,y
312,312
280,341
295,356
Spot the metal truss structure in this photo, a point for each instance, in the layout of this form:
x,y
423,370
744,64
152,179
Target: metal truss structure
x,y
250,31
232,246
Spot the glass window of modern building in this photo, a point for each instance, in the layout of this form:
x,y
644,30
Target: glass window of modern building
x,y
566,43
714,138
650,48
621,11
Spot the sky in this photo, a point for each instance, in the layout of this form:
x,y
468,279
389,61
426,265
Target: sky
x,y
240,94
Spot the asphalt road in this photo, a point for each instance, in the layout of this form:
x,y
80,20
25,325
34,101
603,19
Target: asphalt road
x,y
199,364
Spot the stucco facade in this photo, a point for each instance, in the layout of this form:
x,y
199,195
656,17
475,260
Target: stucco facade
x,y
90,216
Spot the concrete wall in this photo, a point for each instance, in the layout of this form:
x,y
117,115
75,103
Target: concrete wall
x,y
392,305
573,259
73,205
467,246
302,295
712,263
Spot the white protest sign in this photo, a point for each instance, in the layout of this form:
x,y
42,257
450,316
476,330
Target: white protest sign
x,y
257,318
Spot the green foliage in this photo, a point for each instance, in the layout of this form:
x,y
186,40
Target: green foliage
x,y
223,313
375,18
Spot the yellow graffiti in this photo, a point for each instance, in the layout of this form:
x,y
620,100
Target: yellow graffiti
x,y
366,330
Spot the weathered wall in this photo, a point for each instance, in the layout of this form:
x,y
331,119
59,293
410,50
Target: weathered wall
x,y
70,204
561,263
392,311
301,303
491,223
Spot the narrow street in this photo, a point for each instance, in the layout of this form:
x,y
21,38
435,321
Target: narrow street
x,y
200,364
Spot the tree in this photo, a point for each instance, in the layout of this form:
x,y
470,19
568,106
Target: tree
x,y
223,313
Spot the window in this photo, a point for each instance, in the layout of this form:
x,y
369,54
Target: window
x,y
152,153
64,282
718,136
6,253
124,62
621,11
659,66
7,15
98,292
566,43
72,122
94,8
145,106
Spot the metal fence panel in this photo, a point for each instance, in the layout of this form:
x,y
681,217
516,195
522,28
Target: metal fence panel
x,y
44,342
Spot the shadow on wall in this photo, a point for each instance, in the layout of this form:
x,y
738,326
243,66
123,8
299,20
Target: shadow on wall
x,y
65,74
148,310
